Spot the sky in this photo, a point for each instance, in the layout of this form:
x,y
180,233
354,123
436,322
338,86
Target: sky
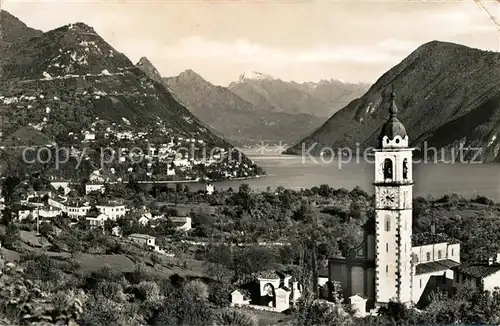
x,y
351,40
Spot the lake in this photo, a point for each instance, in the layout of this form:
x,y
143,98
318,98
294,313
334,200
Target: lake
x,y
436,179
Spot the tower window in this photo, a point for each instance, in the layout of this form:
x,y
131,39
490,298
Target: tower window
x,y
428,256
387,269
420,283
387,223
439,254
387,169
405,169
386,247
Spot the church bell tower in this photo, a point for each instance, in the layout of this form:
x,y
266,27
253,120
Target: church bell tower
x,y
393,207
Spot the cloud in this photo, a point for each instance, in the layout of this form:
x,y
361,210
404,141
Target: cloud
x,y
244,51
466,17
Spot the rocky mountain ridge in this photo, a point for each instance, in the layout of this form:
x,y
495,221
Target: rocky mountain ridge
x,y
448,97
320,99
237,119
68,81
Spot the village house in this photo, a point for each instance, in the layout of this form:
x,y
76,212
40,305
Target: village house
x,y
181,223
94,186
48,212
148,217
124,135
77,209
96,221
74,208
101,176
113,210
89,136
209,188
24,214
65,185
143,239
484,274
171,169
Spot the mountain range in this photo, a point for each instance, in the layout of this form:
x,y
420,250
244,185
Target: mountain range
x,y
239,120
448,97
320,99
249,121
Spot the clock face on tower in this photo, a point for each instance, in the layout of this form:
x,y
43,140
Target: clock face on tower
x,y
388,197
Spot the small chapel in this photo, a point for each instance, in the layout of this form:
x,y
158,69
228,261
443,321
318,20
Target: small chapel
x,y
391,264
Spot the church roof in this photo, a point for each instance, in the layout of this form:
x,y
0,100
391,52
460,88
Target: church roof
x,y
480,270
435,266
428,238
393,127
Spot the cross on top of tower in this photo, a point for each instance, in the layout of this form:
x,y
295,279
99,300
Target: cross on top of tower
x,y
393,109
393,126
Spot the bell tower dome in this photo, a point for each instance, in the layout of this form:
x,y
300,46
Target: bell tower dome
x,y
393,133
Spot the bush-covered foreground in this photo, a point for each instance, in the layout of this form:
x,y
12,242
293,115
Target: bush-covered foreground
x,y
30,296
74,274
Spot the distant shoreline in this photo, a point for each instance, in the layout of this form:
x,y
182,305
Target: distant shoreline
x,y
196,181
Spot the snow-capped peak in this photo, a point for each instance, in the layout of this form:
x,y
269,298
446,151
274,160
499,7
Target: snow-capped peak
x,y
253,75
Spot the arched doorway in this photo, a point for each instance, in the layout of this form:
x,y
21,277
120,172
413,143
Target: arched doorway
x,y
269,295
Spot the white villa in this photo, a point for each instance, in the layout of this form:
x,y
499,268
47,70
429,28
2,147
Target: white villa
x,y
113,210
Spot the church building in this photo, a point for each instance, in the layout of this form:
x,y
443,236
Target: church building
x,y
391,264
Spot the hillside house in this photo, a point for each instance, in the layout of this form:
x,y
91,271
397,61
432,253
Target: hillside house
x,y
24,214
113,210
124,135
94,186
77,209
485,275
49,212
89,136
181,223
171,169
143,239
61,184
97,221
101,176
209,188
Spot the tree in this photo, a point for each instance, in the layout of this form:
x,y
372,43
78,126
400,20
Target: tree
x,y
244,189
11,236
182,308
74,245
315,313
252,259
235,318
197,289
148,291
45,228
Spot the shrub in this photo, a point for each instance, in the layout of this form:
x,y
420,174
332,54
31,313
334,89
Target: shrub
x,y
198,289
235,317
